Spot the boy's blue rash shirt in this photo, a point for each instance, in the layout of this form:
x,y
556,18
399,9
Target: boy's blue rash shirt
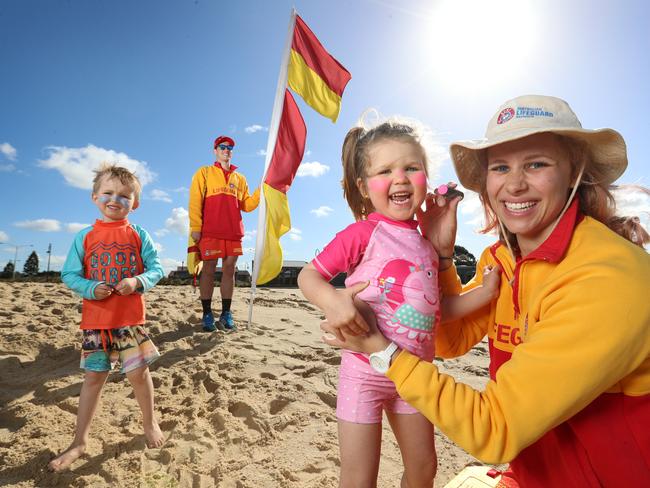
x,y
74,276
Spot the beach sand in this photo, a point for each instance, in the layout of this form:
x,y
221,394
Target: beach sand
x,y
251,408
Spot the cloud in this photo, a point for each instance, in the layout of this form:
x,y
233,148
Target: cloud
x,y
295,234
178,223
160,195
8,151
41,225
56,262
158,247
74,227
322,211
170,264
249,235
7,168
76,164
252,129
632,202
314,169
4,237
471,207
261,152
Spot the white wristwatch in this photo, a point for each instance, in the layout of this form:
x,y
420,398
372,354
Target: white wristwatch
x,y
380,361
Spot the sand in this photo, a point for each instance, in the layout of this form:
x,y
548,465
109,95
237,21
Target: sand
x,y
251,408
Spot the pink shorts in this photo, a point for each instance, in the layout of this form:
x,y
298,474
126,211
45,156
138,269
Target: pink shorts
x,y
363,393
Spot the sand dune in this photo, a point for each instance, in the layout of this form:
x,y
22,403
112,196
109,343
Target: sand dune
x,y
252,408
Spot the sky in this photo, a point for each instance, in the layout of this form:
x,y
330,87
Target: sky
x,y
150,84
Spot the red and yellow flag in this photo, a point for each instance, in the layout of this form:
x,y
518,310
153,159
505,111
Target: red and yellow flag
x,y
314,74
320,80
287,156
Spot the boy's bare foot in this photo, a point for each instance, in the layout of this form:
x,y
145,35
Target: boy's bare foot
x,y
154,436
66,458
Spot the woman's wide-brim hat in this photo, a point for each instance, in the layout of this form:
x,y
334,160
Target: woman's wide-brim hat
x,y
533,114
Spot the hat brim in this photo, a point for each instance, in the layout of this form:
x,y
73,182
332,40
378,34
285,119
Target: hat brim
x,y
222,139
606,146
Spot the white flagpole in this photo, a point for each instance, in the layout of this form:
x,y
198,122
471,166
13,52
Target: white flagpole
x,y
278,106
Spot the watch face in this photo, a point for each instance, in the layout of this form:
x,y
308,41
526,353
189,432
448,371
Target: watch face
x,y
378,363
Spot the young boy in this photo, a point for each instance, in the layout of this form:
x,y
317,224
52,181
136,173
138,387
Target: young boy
x,y
111,264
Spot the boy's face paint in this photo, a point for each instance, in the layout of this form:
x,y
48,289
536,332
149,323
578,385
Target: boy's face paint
x,y
114,199
125,202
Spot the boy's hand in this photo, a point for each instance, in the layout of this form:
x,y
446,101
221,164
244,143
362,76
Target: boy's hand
x,y
492,280
103,290
127,286
342,316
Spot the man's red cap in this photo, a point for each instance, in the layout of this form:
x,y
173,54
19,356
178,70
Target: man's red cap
x,y
222,140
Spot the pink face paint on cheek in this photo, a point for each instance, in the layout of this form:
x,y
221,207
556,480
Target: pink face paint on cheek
x,y
377,184
419,179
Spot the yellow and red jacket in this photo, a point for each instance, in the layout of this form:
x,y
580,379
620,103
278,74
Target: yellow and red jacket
x,y
568,401
217,199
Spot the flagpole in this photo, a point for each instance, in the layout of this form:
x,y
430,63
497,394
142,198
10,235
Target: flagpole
x,y
278,105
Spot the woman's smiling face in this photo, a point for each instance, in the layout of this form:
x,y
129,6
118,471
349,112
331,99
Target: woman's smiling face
x,y
527,183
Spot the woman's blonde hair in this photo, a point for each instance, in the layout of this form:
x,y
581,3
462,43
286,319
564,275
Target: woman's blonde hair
x,y
595,198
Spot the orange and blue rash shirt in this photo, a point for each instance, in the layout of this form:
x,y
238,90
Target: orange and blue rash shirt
x,y
568,401
108,252
217,198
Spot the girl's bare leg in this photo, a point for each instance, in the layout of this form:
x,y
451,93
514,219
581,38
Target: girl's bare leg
x,y
360,447
415,436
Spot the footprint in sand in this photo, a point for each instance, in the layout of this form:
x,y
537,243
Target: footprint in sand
x,y
279,404
327,398
251,418
312,371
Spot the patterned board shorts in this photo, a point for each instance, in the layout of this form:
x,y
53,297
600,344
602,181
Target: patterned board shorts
x,y
102,349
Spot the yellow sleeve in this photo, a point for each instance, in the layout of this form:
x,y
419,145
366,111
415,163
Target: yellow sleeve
x,y
197,195
248,202
587,331
457,337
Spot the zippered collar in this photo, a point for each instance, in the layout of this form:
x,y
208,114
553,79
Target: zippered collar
x,y
407,224
552,250
225,171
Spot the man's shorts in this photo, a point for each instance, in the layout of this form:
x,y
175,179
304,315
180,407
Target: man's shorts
x,y
363,393
103,349
212,248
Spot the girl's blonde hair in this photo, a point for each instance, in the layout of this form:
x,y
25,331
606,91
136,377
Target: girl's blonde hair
x,y
595,199
355,157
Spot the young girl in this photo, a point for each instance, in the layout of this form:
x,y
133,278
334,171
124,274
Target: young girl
x,y
111,264
393,269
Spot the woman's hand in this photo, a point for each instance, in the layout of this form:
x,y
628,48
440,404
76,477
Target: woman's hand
x,y
438,221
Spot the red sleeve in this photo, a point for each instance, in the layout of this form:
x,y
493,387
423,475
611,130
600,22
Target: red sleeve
x,y
345,251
